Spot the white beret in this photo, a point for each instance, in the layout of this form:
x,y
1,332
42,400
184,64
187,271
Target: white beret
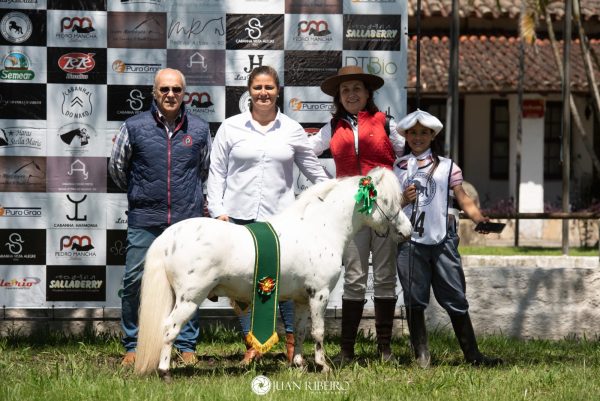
x,y
422,117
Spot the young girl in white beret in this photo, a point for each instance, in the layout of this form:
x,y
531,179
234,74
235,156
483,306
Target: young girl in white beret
x,y
433,195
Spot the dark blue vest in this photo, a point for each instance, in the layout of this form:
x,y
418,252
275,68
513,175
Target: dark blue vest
x,y
165,175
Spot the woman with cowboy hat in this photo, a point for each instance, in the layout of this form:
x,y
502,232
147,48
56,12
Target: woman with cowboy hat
x,y
359,140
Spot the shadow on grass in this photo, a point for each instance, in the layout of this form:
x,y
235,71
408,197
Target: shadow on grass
x,y
221,350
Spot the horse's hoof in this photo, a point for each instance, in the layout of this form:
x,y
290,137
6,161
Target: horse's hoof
x,y
165,375
298,361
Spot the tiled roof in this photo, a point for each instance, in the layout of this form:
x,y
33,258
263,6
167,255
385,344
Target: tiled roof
x,y
491,65
590,9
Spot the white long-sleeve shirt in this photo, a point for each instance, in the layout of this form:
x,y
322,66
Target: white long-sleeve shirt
x,y
251,172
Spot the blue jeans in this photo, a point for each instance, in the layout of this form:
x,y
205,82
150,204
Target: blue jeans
x,y
138,242
286,309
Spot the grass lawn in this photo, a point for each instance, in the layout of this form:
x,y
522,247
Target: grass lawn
x,y
524,251
52,367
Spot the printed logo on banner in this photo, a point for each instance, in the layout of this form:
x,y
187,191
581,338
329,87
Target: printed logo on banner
x,y
73,66
298,105
20,283
124,101
241,63
199,103
77,102
147,2
15,212
206,102
76,283
134,66
19,140
92,5
313,31
116,245
75,28
372,32
77,210
255,6
137,30
23,210
263,32
201,67
23,174
379,7
76,137
123,67
310,68
22,247
313,6
24,27
22,4
76,174
16,27
75,246
116,212
307,104
16,67
195,30
384,64
21,101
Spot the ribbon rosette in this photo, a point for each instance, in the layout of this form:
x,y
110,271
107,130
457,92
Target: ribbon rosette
x,y
266,285
366,194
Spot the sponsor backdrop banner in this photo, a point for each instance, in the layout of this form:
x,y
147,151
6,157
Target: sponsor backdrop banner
x,y
73,70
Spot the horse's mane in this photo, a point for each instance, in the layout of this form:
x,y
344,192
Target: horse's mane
x,y
385,182
315,193
387,185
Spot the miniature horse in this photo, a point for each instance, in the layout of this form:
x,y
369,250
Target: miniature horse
x,y
199,257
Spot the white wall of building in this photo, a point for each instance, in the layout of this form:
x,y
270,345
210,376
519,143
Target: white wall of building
x,y
535,191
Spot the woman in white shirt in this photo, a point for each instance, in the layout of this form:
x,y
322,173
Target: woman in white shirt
x,y
251,170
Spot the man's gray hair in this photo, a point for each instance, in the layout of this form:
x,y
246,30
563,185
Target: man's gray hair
x,y
168,69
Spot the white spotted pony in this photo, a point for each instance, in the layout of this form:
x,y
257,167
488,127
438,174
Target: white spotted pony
x,y
202,256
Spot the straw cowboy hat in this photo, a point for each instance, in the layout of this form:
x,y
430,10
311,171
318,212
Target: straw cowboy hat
x,y
422,117
350,73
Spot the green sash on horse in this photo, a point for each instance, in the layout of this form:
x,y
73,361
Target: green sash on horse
x,y
262,335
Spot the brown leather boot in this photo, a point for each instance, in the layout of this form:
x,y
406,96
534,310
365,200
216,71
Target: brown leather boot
x,y
250,355
128,359
290,342
189,358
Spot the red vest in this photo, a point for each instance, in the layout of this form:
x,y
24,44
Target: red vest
x,y
374,146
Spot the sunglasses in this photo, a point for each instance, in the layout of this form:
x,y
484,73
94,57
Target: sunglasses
x,y
166,89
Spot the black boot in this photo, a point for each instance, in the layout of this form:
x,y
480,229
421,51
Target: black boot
x,y
351,315
463,328
384,322
418,336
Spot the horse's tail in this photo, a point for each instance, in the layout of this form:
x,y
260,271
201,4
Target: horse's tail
x,y
155,305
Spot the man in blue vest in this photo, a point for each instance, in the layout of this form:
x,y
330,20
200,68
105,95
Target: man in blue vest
x,y
161,158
